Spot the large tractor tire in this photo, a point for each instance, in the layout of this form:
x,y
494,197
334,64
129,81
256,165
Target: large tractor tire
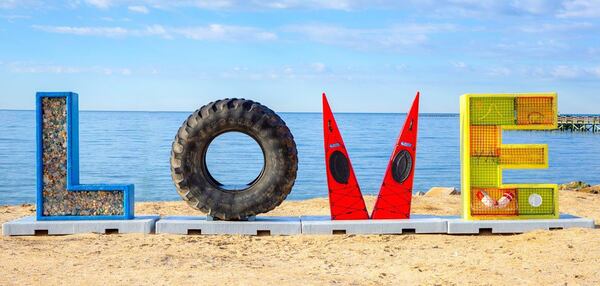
x,y
201,191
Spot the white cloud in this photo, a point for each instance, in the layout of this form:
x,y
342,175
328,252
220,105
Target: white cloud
x,y
308,71
36,68
399,67
595,71
14,18
391,38
167,4
248,4
102,4
157,30
499,71
111,19
575,72
14,4
580,9
557,27
437,8
125,71
139,9
531,48
85,31
565,72
533,6
40,68
312,4
318,67
8,4
446,7
224,32
201,4
592,51
212,32
478,8
459,65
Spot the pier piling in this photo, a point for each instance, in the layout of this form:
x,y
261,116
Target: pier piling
x,y
579,123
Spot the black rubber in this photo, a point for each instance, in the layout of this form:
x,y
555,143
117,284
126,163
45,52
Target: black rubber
x,y
339,167
201,191
402,166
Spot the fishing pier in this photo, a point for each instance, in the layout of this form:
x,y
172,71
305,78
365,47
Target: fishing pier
x,y
579,123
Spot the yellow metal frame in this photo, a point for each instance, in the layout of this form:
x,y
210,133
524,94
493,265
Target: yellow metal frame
x,y
465,151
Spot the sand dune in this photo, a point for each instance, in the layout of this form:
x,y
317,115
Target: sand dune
x,y
538,258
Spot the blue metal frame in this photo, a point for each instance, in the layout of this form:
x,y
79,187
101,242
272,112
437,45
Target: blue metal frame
x,y
73,163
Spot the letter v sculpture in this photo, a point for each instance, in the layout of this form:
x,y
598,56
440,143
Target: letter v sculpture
x,y
345,198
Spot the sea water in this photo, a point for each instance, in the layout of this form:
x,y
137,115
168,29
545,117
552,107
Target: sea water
x,y
134,147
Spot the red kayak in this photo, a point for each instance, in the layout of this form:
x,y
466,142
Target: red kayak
x,y
395,195
345,199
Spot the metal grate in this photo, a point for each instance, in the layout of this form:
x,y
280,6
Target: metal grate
x,y
522,156
485,141
528,196
484,172
493,111
535,110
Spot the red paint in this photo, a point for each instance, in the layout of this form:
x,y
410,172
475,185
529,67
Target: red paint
x,y
345,199
394,198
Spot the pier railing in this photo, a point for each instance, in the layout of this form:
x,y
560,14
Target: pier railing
x,y
579,123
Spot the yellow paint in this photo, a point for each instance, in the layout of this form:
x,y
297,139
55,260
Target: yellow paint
x,y
483,117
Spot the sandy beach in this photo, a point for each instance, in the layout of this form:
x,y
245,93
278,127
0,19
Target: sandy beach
x,y
566,257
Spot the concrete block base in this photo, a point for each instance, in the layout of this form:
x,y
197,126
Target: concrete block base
x,y
201,226
460,226
309,225
30,226
421,224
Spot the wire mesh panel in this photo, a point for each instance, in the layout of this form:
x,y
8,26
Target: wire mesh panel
x,y
485,141
484,172
523,156
536,201
493,111
494,202
535,110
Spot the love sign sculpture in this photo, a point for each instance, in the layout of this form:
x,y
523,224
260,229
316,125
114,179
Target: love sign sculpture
x,y
60,196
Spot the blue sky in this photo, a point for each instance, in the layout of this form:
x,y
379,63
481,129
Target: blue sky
x,y
369,56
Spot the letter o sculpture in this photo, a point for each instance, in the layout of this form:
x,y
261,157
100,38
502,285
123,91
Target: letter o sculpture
x,y
197,186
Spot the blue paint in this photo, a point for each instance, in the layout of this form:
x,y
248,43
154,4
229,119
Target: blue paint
x,y
73,184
